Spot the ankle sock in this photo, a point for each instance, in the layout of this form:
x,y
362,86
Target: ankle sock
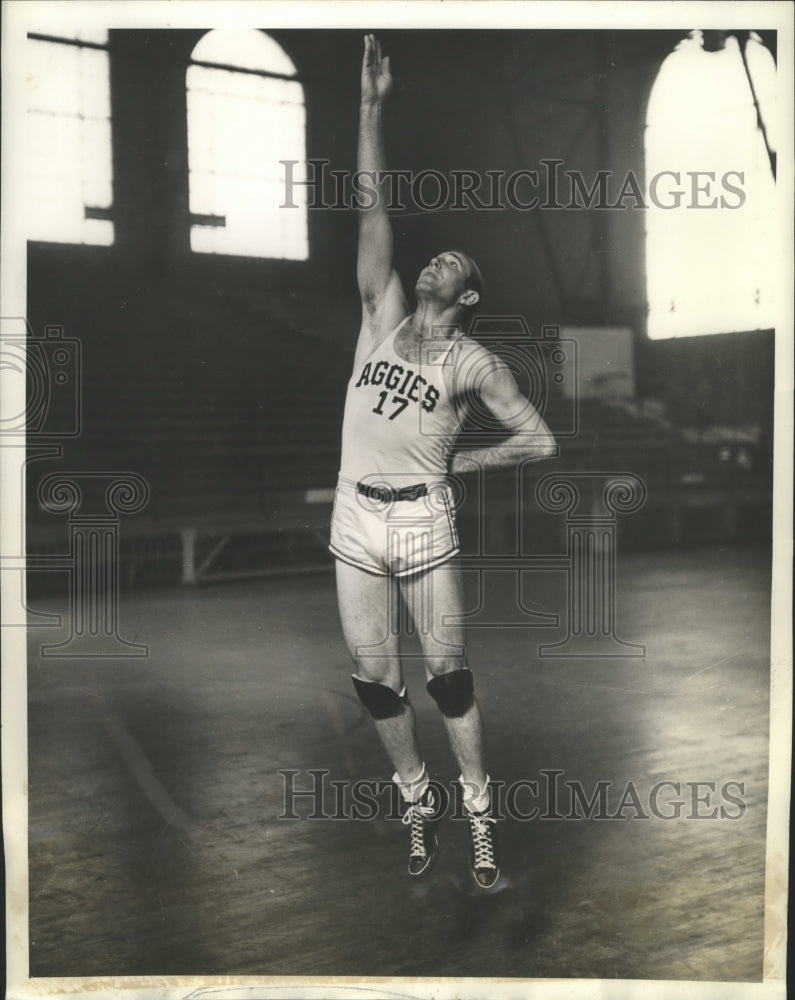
x,y
476,798
412,791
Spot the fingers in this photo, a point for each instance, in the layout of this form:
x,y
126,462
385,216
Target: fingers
x,y
372,50
376,72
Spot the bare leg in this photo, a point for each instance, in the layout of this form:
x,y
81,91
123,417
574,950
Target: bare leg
x,y
369,614
433,598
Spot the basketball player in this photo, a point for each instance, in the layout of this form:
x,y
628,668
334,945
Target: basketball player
x,y
393,531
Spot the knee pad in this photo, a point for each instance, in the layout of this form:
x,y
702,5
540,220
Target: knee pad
x,y
380,700
453,692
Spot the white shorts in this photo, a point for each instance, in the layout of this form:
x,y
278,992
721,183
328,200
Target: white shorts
x,y
393,537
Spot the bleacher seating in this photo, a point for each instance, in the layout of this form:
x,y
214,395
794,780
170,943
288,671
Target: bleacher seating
x,y
242,443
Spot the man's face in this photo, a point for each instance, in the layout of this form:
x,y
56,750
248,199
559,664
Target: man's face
x,y
444,279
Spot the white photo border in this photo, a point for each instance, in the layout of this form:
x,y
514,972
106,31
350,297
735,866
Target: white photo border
x,y
469,14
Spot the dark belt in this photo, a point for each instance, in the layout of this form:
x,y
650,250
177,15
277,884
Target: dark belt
x,y
387,493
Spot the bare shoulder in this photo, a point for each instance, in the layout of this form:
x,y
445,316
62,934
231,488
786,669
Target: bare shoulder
x,y
473,361
467,348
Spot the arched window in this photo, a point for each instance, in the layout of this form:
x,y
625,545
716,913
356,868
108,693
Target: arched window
x,y
709,229
68,139
245,114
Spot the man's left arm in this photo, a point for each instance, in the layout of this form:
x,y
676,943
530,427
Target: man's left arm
x,y
530,438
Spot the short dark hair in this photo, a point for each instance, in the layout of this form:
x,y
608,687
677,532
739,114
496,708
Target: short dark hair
x,y
474,282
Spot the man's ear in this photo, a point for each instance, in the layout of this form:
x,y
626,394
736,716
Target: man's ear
x,y
469,298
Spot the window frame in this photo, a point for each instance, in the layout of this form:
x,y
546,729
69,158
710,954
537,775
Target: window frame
x,y
206,219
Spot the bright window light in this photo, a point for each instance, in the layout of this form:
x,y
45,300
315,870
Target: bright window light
x,y
708,268
245,114
68,138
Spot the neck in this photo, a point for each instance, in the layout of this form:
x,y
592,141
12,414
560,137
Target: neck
x,y
428,317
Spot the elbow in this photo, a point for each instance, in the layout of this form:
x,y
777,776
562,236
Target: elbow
x,y
549,446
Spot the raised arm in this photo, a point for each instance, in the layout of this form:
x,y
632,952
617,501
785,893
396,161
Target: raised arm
x,y
531,440
383,302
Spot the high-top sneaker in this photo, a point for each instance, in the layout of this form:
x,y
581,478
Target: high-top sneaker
x,y
485,865
423,816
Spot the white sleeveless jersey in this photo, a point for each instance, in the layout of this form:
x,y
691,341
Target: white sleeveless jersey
x,y
400,420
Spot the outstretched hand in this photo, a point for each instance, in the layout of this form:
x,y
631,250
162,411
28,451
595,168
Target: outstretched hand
x,y
376,76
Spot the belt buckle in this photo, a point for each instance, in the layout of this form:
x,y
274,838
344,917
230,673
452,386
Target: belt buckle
x,y
413,492
386,494
380,493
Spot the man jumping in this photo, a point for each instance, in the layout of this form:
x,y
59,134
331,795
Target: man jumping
x,y
393,527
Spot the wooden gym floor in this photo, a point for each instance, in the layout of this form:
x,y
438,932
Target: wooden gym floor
x,y
156,846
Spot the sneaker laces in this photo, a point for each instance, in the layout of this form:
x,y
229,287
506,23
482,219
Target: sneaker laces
x,y
482,841
416,815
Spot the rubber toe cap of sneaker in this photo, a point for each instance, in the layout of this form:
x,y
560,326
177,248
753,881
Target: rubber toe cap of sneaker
x,y
486,877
